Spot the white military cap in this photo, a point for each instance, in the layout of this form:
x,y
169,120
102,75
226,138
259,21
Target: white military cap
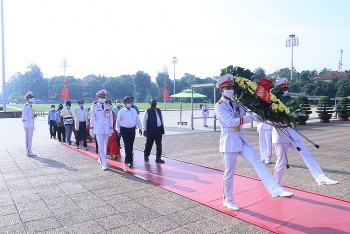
x,y
101,93
282,82
225,80
28,95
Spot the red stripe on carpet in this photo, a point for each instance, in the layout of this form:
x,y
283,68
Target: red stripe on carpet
x,y
306,212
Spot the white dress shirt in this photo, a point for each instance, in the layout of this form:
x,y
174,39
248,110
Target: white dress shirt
x,y
128,118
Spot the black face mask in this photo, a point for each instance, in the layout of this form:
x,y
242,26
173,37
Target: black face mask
x,y
153,105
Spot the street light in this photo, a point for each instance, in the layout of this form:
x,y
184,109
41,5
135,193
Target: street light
x,y
3,59
174,62
291,42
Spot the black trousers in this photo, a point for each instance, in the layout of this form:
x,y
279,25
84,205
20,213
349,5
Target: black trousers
x,y
61,133
128,135
52,128
81,134
151,138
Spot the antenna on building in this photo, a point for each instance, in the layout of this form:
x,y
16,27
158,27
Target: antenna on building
x,y
341,61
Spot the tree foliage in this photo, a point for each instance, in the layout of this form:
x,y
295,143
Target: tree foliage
x,y
141,86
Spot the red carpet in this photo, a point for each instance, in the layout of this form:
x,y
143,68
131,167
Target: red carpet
x,y
306,212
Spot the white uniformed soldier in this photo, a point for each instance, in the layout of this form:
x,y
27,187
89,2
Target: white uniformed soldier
x,y
205,113
101,125
265,141
28,122
234,143
282,144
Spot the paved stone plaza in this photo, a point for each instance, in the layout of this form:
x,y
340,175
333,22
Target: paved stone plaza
x,y
64,191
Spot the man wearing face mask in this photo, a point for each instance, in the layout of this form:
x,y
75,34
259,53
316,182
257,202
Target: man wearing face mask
x,y
153,131
80,115
52,121
28,122
116,110
282,144
205,113
67,115
127,121
234,143
101,125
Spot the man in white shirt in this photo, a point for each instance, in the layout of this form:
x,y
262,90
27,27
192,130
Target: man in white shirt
x,y
205,113
80,116
28,122
265,141
127,121
234,143
101,125
282,144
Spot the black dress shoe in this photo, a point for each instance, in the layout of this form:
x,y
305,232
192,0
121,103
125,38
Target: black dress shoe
x,y
130,164
146,159
160,161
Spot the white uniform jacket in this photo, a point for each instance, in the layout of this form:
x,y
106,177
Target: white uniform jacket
x,y
231,140
263,126
76,116
101,120
205,110
281,138
28,116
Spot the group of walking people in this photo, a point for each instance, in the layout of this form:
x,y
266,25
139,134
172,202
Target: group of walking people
x,y
102,121
104,124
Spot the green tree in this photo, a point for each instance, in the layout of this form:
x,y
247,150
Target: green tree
x,y
154,92
142,85
343,87
258,73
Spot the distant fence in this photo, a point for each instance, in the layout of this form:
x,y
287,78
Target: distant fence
x,y
11,114
18,114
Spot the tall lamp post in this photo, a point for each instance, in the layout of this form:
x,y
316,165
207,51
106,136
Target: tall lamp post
x,y
174,61
3,58
291,42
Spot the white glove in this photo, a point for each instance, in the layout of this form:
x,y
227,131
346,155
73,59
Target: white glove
x,y
256,117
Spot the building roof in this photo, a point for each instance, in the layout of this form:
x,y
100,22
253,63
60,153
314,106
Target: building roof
x,y
330,75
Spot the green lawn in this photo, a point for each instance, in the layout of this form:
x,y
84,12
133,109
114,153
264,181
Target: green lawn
x,y
141,106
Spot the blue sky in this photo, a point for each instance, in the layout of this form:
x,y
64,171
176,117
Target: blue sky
x,y
112,37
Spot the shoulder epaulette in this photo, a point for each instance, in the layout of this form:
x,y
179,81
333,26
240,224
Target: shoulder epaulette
x,y
220,102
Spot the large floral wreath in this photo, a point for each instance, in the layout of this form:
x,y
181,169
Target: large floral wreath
x,y
258,98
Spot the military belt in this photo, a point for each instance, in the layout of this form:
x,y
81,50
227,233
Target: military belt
x,y
234,129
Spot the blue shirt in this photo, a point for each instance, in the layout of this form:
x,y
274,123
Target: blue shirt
x,y
116,110
51,115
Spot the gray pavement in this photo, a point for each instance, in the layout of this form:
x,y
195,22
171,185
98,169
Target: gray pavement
x,y
63,191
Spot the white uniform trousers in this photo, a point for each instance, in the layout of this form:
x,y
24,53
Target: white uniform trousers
x,y
29,140
250,155
265,144
102,141
310,162
205,117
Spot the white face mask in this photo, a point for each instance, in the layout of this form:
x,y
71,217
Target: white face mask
x,y
31,100
117,104
128,105
102,100
81,105
228,93
285,93
53,109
